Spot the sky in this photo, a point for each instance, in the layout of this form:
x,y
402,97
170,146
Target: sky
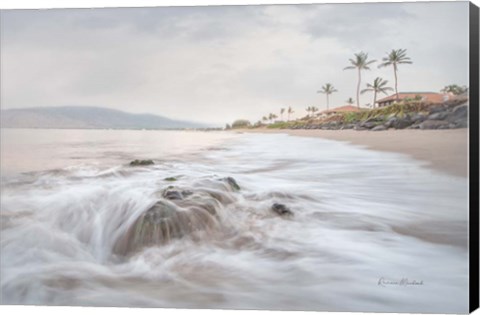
x,y
218,64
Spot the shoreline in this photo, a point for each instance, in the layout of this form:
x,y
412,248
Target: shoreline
x,y
444,150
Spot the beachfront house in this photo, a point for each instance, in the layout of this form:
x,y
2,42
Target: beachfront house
x,y
428,97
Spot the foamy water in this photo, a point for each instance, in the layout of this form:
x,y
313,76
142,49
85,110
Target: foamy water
x,y
362,220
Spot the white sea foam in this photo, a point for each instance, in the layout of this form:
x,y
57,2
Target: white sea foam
x,y
362,220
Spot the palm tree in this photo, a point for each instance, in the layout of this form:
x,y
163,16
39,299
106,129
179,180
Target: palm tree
x,y
314,109
274,117
350,101
264,118
282,110
327,89
289,112
308,109
360,62
395,58
378,86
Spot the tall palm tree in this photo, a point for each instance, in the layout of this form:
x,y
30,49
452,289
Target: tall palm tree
x,y
314,110
378,86
350,101
272,117
394,58
289,112
282,110
327,89
360,62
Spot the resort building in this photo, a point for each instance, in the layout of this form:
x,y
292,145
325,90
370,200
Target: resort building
x,y
429,97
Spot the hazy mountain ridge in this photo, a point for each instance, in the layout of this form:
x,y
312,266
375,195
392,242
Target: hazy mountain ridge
x,y
83,117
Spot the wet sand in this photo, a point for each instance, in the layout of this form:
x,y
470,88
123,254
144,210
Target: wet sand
x,y
445,150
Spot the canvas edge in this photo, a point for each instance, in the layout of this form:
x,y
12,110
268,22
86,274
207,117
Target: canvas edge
x,y
474,160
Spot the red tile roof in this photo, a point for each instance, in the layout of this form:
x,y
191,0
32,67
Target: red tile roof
x,y
431,97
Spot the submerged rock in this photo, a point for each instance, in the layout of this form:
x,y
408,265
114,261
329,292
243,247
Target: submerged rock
x,y
232,183
171,194
141,162
160,224
170,179
281,209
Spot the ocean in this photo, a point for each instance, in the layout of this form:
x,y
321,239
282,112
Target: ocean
x,y
368,231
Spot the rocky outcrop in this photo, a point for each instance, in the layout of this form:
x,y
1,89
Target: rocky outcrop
x,y
141,162
434,124
449,115
232,183
161,223
281,209
178,213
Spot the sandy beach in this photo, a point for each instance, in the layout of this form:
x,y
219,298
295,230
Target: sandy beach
x,y
446,150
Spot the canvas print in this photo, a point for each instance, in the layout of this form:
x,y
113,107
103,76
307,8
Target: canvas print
x,y
271,157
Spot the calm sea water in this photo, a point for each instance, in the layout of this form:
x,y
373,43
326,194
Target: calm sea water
x,y
371,231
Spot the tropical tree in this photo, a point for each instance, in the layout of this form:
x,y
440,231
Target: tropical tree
x,y
378,86
264,118
272,117
327,89
289,112
308,109
455,89
394,58
314,110
360,62
282,110
350,101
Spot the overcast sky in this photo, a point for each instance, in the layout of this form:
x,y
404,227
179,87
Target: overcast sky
x,y
216,64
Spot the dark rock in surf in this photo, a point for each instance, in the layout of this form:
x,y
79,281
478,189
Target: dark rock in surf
x,y
161,223
171,194
141,163
281,209
186,193
232,183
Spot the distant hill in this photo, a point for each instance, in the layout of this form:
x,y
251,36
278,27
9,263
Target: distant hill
x,y
80,117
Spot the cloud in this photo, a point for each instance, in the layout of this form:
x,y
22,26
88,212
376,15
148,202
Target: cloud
x,y
215,64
